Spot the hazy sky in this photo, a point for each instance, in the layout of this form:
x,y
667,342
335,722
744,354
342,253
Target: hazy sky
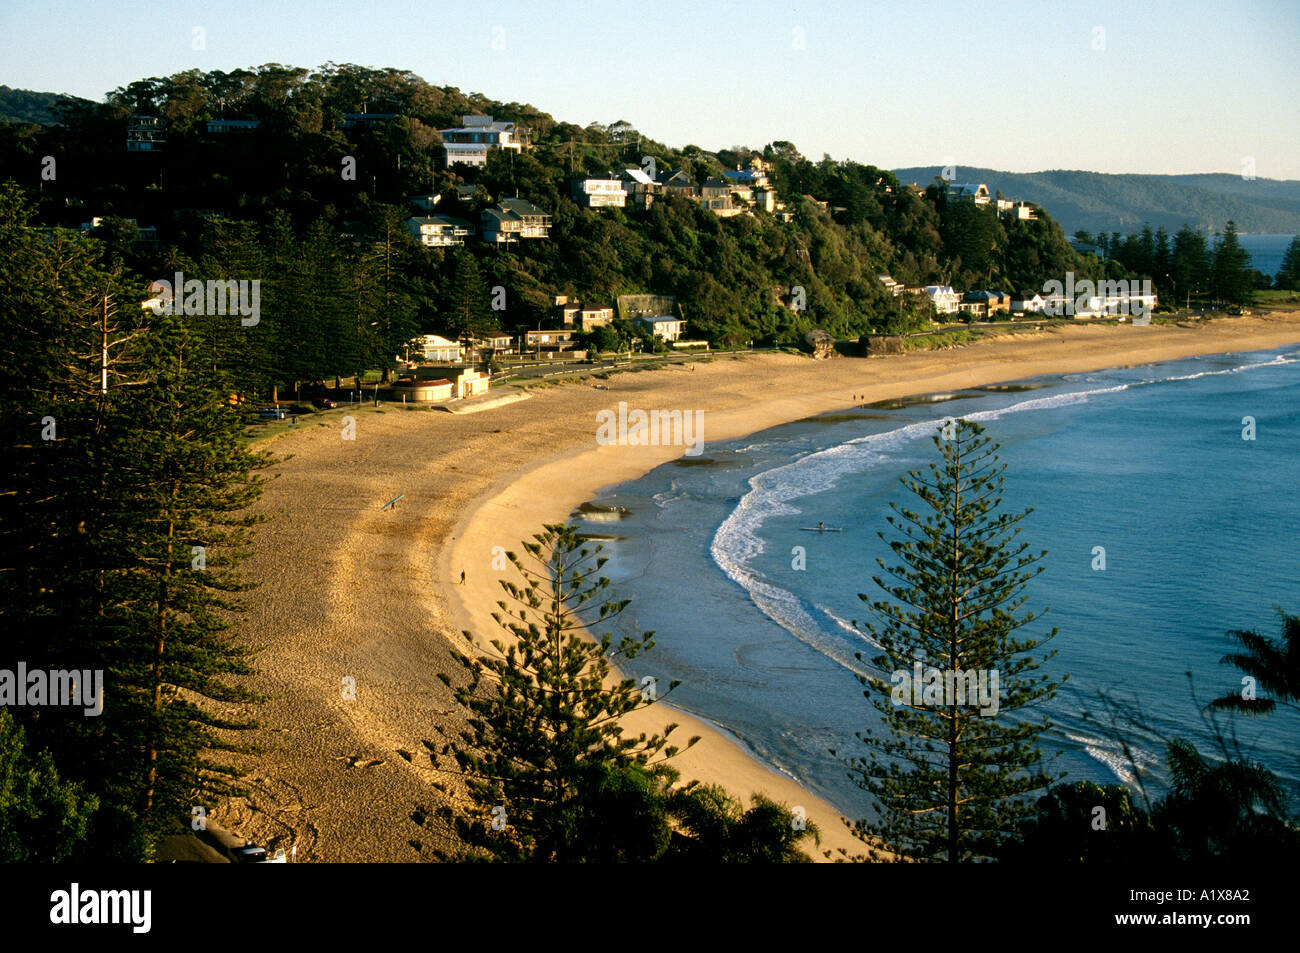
x,y
1020,86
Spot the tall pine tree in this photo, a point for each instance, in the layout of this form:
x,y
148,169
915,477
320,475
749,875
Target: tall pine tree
x,y
951,771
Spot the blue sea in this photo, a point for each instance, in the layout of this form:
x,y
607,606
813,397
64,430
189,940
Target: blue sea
x,y
1266,251
1200,529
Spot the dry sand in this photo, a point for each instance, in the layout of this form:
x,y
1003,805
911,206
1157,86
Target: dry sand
x,y
353,591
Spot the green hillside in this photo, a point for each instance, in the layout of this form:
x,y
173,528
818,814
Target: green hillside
x,y
28,106
1095,201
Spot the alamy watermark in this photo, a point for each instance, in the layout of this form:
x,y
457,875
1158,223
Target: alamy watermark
x,y
195,297
57,687
929,686
653,428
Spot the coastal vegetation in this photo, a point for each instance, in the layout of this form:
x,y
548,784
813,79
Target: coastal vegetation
x,y
345,288
546,767
949,772
1187,267
122,524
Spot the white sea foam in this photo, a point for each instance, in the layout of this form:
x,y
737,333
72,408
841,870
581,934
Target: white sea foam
x,y
773,492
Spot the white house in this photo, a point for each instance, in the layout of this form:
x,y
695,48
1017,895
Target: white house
x,y
513,219
944,299
436,350
470,143
599,193
663,326
439,231
1021,304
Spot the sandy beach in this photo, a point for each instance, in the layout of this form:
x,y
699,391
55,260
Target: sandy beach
x,y
353,591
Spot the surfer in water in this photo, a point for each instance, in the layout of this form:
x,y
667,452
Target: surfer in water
x,y
821,527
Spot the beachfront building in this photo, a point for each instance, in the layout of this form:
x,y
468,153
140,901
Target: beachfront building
x,y
439,231
513,219
410,390
434,349
663,326
943,298
1027,305
985,305
895,288
599,193
470,143
545,343
471,383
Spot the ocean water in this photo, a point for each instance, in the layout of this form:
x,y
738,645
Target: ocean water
x,y
1200,529
1266,251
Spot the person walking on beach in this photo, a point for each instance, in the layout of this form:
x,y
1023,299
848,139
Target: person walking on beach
x,y
462,577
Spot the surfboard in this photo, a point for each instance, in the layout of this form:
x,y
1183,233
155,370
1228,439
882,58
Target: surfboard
x,y
822,529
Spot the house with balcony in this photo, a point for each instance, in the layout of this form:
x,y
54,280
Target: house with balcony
x,y
678,183
716,196
599,193
439,231
218,127
145,134
944,299
895,288
433,349
366,120
640,188
470,143
968,192
514,219
548,344
665,327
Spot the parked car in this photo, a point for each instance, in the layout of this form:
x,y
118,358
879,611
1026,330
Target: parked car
x,y
250,853
325,403
271,413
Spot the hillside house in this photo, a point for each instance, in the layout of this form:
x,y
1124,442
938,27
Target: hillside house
x,y
599,193
226,126
470,143
512,220
145,134
439,231
1018,211
592,316
716,196
966,192
366,120
895,288
426,202
678,183
764,199
640,188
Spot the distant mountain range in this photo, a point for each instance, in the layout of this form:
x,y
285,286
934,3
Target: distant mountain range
x,y
1098,201
26,105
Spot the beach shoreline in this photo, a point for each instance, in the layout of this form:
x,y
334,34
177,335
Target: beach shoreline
x,y
390,605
